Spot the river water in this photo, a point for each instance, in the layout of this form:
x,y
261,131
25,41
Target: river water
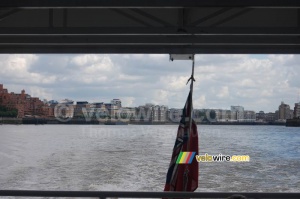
x,y
136,157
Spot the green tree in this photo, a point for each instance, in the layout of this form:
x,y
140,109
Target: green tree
x,y
212,114
4,112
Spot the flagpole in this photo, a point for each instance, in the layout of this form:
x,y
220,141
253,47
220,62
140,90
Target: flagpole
x,y
191,99
190,123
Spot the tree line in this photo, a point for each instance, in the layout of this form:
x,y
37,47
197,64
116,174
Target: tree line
x,y
5,112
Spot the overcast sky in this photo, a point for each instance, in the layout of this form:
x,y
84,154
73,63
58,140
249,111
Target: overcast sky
x,y
257,82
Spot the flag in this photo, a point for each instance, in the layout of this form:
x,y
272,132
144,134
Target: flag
x,y
184,177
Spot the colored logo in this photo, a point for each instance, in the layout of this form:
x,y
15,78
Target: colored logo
x,y
185,157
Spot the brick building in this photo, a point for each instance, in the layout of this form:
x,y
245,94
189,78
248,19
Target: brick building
x,y
24,103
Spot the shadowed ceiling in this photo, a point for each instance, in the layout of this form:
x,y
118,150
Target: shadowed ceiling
x,y
144,26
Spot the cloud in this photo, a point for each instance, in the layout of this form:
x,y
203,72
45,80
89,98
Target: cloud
x,y
129,101
224,92
255,82
42,93
200,101
174,83
16,68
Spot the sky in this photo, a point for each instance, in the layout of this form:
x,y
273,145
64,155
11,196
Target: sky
x,y
256,82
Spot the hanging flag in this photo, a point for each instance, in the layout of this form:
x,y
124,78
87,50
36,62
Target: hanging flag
x,y
184,170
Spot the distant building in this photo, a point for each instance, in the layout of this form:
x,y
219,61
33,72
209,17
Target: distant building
x,y
158,113
67,101
223,115
142,113
237,113
174,115
78,108
249,116
284,111
152,113
270,117
52,102
297,110
260,116
163,113
276,115
98,104
149,105
127,113
112,109
24,103
116,102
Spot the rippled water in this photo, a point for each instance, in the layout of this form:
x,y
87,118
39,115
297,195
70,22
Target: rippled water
x,y
136,158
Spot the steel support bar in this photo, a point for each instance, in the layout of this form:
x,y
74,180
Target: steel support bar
x,y
146,4
105,194
285,31
149,40
156,49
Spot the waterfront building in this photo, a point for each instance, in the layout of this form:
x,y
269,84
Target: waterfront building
x,y
149,105
223,115
174,114
142,113
24,103
249,116
52,102
284,111
116,102
78,108
154,113
270,117
67,101
65,108
162,113
237,113
260,116
297,110
112,109
127,113
98,105
276,115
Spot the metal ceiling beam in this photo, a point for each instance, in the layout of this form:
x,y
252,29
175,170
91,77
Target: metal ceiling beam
x,y
284,31
122,12
187,49
149,16
51,18
210,16
146,4
232,16
298,18
150,40
9,13
65,18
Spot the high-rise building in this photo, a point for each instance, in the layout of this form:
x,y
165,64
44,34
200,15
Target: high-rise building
x,y
284,111
297,110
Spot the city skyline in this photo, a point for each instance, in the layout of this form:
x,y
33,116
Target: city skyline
x,y
119,101
257,82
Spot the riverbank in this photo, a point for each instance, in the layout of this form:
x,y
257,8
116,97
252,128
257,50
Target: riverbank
x,y
293,122
81,121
